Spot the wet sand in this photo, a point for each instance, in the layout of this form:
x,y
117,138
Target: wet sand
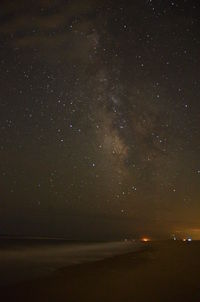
x,y
165,271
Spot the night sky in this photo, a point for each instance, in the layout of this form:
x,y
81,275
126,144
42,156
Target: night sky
x,y
99,118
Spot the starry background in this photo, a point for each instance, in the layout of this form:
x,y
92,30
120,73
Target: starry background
x,y
99,118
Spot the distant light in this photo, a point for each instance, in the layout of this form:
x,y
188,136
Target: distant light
x,y
187,239
174,237
145,239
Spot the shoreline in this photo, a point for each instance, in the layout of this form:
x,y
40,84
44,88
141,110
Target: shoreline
x,y
165,271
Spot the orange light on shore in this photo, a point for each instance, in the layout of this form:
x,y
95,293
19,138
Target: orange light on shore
x,y
145,239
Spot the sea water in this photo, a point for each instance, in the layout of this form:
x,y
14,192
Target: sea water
x,y
23,259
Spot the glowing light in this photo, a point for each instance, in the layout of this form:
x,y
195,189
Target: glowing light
x,y
145,239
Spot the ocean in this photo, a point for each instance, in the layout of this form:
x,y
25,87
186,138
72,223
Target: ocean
x,y
24,259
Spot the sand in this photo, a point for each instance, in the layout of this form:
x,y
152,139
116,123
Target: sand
x,y
165,271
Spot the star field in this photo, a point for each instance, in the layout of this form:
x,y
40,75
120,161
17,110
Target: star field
x,y
99,118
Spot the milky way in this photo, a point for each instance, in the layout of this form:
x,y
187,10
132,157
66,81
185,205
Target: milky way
x,y
99,118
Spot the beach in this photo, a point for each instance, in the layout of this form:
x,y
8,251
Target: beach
x,y
163,271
